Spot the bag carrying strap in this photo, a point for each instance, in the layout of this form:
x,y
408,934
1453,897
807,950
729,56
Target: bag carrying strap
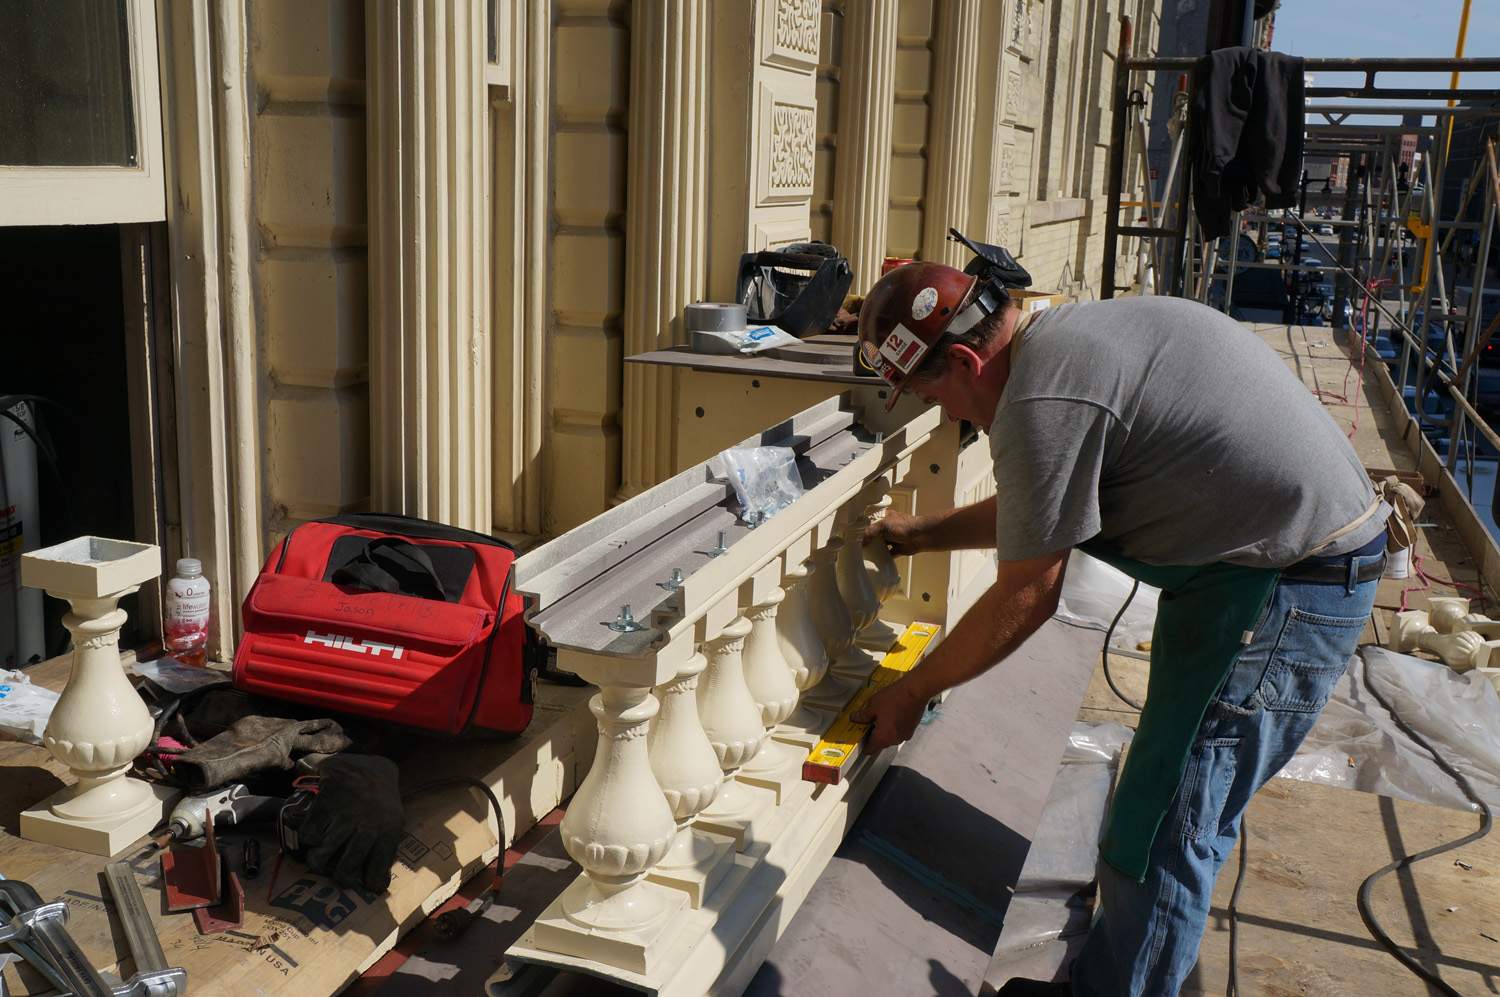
x,y
1347,528
390,564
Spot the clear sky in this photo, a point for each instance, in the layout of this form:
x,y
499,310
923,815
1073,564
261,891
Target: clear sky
x,y
1388,28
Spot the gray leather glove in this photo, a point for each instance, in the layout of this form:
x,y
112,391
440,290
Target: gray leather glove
x,y
353,827
254,744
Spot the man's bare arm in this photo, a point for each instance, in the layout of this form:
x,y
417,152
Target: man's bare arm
x,y
1024,596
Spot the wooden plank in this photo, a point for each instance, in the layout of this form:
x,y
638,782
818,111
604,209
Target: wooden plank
x,y
1300,932
309,936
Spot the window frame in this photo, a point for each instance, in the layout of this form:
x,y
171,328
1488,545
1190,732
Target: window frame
x,y
102,195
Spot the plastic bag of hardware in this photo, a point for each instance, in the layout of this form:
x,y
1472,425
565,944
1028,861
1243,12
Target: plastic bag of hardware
x,y
765,480
1093,593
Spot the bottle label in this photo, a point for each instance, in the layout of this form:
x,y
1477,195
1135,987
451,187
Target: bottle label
x,y
188,608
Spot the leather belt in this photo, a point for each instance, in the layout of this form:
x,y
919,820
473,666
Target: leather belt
x,y
1336,572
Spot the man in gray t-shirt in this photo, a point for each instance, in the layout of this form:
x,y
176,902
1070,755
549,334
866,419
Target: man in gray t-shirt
x,y
1169,441
1171,431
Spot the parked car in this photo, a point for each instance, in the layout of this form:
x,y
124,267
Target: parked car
x,y
1273,250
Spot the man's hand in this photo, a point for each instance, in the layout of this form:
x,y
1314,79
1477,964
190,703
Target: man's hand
x,y
894,713
903,534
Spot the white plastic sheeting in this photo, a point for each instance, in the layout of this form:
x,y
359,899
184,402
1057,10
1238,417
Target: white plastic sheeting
x,y
1052,906
1093,593
1355,743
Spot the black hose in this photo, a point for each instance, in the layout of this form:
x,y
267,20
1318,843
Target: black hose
x,y
1104,653
1232,987
455,922
1486,823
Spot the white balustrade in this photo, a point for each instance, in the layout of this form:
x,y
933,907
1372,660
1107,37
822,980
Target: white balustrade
x,y
753,640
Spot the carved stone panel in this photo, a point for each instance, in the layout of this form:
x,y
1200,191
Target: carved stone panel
x,y
774,233
789,33
1005,169
1013,94
787,137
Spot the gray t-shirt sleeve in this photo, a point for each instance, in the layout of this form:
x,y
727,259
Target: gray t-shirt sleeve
x,y
1049,454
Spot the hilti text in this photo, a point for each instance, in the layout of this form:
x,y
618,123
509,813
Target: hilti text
x,y
342,643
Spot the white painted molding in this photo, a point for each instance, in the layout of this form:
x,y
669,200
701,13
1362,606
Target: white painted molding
x,y
956,60
666,225
430,390
862,173
520,177
202,50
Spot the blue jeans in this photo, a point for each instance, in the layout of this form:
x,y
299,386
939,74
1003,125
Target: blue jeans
x,y
1145,939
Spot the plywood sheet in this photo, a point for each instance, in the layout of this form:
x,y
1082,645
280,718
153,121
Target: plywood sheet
x,y
307,935
1300,932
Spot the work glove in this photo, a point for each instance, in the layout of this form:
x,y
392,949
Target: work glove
x,y
254,744
353,826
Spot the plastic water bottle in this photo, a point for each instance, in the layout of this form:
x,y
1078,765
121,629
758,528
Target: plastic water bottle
x,y
186,610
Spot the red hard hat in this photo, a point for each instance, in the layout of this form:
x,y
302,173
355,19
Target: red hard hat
x,y
905,314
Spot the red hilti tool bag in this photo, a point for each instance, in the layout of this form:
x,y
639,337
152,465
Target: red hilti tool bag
x,y
391,617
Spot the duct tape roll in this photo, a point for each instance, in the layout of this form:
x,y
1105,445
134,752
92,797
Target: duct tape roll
x,y
710,316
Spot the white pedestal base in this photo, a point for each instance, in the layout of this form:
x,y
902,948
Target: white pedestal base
x,y
696,863
846,677
49,822
740,811
628,930
723,943
879,636
804,728
777,767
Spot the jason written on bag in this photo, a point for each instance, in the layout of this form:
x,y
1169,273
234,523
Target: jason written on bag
x,y
390,617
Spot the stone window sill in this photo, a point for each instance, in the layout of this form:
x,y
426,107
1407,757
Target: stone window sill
x,y
1062,209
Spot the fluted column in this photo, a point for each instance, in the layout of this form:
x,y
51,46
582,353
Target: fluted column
x,y
862,175
430,397
666,219
950,145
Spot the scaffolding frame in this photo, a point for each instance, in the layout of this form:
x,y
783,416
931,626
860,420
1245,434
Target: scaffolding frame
x,y
1368,259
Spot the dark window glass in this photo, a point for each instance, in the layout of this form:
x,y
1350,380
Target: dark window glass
x,y
65,94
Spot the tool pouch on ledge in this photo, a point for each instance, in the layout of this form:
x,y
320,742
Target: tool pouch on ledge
x,y
399,619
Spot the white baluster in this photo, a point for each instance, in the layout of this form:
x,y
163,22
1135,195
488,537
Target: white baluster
x,y
878,557
731,719
804,652
885,577
855,583
830,615
849,666
777,765
687,769
99,724
617,827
